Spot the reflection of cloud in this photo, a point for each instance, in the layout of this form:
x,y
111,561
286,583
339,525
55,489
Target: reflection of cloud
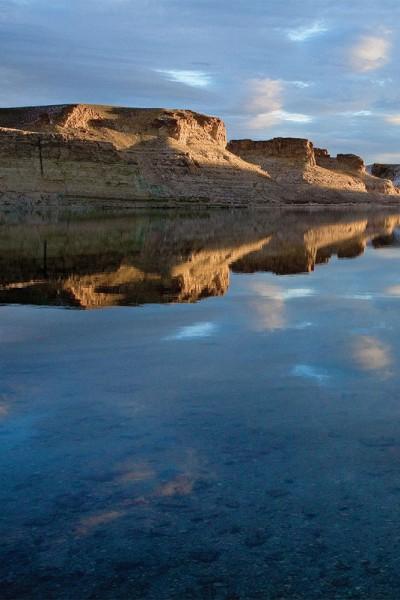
x,y
370,52
393,290
87,524
138,474
268,306
3,411
277,293
310,372
371,354
197,330
182,485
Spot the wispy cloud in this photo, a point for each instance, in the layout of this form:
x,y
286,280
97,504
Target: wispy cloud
x,y
191,78
370,53
265,105
302,34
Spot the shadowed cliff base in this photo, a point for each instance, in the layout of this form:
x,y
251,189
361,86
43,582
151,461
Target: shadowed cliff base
x,y
167,157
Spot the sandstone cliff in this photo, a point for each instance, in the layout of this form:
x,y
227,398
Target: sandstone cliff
x,y
294,161
169,156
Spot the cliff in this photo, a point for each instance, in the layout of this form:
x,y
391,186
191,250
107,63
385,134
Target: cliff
x,y
296,162
159,155
387,171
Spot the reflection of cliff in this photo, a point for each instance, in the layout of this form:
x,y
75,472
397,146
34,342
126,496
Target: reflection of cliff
x,y
176,258
299,248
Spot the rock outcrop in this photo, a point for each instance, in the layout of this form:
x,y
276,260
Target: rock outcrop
x,y
293,161
387,171
158,155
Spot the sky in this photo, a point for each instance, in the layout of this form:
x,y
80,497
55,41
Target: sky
x,y
326,70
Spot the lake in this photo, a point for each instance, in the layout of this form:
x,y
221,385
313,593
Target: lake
x,y
200,406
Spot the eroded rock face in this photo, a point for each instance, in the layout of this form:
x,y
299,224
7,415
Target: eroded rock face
x,y
88,121
343,162
113,153
387,171
292,149
123,153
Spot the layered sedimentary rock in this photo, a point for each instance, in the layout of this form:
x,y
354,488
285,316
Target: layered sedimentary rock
x,y
136,154
293,161
103,152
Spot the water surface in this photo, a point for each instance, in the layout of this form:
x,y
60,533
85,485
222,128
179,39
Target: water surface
x,y
201,407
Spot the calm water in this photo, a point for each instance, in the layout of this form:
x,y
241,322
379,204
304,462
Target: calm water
x,y
201,407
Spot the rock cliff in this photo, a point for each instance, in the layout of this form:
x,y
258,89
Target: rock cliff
x,y
387,171
159,155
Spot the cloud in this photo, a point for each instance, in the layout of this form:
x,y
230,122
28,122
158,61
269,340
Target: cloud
x,y
302,34
393,119
370,53
300,84
265,95
265,103
191,78
393,290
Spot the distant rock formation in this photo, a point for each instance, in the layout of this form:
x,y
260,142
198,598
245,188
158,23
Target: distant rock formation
x,y
387,171
170,156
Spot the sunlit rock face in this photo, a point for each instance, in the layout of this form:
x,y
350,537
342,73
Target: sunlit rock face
x,y
142,259
344,162
171,156
293,149
295,161
123,153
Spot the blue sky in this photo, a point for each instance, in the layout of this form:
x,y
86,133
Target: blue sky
x,y
322,69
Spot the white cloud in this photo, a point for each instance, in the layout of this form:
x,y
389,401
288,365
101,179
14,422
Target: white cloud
x,y
370,53
191,78
265,95
300,84
302,34
393,119
263,120
356,113
266,105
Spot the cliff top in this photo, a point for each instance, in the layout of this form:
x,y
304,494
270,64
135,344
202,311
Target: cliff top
x,y
120,125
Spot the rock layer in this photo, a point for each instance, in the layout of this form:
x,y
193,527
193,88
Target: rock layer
x,y
103,152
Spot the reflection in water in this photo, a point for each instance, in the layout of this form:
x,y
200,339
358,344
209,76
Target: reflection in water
x,y
371,354
197,330
241,447
310,372
90,264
